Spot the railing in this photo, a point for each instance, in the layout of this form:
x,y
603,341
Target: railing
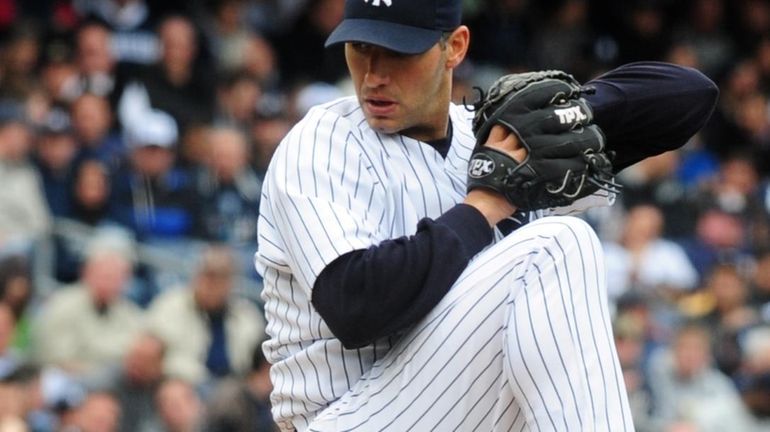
x,y
169,267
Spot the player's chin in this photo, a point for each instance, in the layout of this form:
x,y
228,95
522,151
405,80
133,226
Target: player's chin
x,y
384,125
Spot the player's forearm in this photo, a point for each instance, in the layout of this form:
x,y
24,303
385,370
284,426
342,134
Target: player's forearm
x,y
369,294
648,108
491,204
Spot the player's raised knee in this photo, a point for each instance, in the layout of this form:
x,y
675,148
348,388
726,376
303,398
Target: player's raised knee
x,y
570,235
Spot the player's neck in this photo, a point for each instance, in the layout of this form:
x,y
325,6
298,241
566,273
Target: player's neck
x,y
429,132
442,144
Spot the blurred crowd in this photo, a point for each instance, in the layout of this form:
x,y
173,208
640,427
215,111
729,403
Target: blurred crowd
x,y
134,135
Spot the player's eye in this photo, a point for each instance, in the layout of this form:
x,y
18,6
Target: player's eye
x,y
361,46
364,48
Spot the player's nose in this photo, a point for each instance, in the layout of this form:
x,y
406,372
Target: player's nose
x,y
376,70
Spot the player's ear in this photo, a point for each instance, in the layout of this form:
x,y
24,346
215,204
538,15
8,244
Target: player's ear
x,y
457,46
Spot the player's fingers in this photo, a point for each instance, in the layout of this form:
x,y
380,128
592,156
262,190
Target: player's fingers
x,y
498,133
515,149
504,140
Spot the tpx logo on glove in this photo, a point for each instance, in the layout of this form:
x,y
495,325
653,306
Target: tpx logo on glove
x,y
570,115
480,166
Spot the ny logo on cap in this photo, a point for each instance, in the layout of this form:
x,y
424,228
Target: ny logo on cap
x,y
377,2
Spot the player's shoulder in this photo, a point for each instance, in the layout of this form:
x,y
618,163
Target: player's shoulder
x,y
324,123
344,112
462,117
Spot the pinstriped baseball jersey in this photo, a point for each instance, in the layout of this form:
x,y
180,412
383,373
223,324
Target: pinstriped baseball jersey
x,y
334,185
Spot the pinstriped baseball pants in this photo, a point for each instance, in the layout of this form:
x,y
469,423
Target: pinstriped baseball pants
x,y
522,341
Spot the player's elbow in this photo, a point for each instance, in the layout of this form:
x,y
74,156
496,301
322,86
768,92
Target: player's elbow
x,y
345,319
351,330
351,339
702,98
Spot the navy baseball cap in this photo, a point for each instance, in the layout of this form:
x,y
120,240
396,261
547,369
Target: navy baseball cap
x,y
404,26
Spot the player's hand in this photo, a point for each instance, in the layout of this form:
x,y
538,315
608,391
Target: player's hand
x,y
491,204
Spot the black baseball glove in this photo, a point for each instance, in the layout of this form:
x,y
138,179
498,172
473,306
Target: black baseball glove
x,y
566,157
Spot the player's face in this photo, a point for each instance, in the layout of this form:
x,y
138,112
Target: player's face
x,y
407,94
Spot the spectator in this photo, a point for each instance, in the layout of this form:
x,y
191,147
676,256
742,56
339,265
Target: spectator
x,y
89,325
177,84
95,63
152,196
92,123
10,359
655,180
230,190
646,33
719,237
259,60
630,344
179,406
684,54
729,315
55,160
566,40
230,37
301,48
704,31
724,135
22,397
270,17
243,405
20,54
24,215
760,286
91,194
208,333
16,293
57,78
735,190
266,132
502,32
645,262
238,98
689,390
99,412
89,202
753,119
763,61
130,21
239,46
753,22
136,382
754,376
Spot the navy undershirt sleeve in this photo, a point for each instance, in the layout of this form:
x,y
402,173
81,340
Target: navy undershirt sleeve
x,y
648,108
368,294
644,109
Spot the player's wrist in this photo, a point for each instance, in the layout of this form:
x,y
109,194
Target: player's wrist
x,y
491,204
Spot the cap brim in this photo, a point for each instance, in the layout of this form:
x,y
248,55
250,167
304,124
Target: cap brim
x,y
395,37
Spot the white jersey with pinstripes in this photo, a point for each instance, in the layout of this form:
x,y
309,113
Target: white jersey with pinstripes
x,y
334,185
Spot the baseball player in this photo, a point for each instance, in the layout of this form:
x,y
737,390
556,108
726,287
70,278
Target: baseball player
x,y
396,299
